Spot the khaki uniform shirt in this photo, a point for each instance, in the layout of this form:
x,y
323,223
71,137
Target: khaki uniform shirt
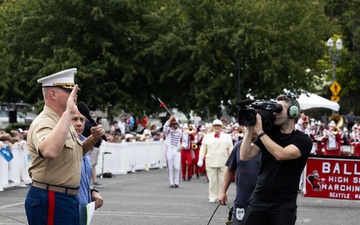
x,y
216,150
65,169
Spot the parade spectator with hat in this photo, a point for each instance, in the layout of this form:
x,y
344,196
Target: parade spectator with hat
x,y
56,154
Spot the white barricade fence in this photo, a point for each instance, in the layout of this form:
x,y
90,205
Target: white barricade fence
x,y
121,158
15,171
117,158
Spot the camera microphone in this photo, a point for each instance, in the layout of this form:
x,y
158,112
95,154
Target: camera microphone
x,y
83,109
245,102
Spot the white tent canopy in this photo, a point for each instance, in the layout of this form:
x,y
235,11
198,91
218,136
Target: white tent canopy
x,y
309,101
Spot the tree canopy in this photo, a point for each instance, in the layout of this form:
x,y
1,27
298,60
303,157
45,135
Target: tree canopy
x,y
185,52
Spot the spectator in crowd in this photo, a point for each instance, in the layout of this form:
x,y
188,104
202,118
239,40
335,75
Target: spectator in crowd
x,y
147,130
99,120
17,142
216,147
6,140
156,136
122,124
114,128
350,120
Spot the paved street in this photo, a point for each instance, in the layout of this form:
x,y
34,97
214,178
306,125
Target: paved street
x,y
144,198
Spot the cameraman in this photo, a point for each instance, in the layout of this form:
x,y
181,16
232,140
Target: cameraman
x,y
284,155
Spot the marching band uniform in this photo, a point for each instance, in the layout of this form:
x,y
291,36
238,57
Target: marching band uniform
x,y
319,137
202,133
196,149
355,140
237,134
332,140
216,147
173,135
187,153
310,130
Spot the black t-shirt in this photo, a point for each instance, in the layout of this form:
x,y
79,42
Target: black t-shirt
x,y
246,175
279,180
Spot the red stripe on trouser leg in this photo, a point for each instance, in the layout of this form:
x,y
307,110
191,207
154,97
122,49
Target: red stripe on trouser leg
x,y
51,208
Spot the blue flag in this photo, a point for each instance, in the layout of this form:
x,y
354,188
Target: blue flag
x,y
6,154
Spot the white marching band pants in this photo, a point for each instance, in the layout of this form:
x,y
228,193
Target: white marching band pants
x,y
173,158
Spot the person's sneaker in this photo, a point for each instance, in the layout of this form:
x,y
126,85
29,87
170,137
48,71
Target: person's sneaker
x,y
176,186
22,184
212,200
97,185
172,186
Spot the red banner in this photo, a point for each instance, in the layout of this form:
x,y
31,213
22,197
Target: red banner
x,y
336,178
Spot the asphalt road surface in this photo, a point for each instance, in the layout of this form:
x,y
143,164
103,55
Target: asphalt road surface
x,y
144,197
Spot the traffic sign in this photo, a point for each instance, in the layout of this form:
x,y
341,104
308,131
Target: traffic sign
x,y
335,98
335,88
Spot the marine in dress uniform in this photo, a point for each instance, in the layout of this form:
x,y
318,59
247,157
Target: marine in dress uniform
x,y
216,147
56,154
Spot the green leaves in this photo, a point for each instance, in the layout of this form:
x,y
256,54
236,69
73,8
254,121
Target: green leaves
x,y
185,52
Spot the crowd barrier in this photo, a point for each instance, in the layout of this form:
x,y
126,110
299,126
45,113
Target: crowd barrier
x,y
15,171
130,157
117,158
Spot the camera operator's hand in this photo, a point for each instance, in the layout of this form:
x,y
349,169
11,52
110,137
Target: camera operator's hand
x,y
258,125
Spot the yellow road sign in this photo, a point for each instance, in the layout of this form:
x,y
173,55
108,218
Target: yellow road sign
x,y
335,88
335,98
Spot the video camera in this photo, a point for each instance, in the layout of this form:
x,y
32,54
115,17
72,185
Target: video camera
x,y
249,108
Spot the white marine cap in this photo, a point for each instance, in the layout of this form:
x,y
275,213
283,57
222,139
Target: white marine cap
x,y
64,79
